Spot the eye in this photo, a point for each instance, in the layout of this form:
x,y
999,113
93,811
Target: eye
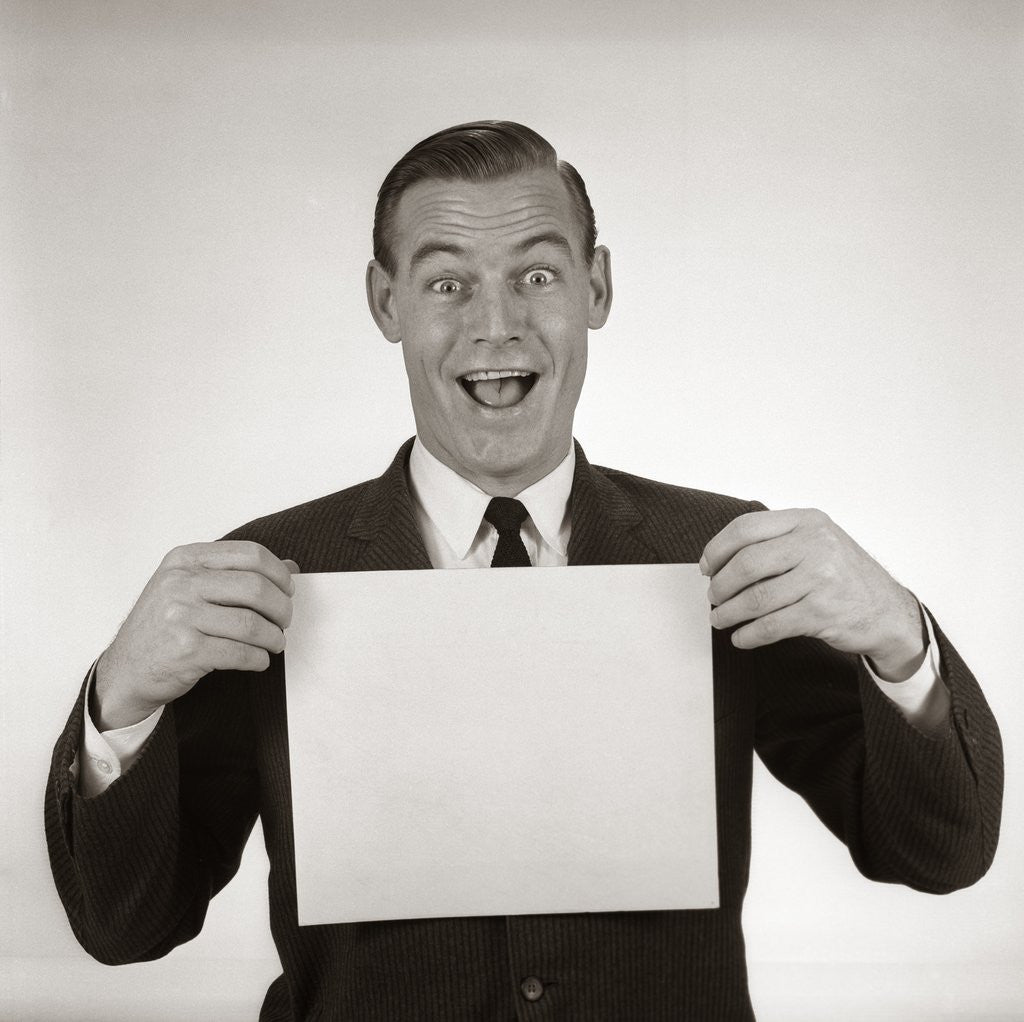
x,y
540,276
445,286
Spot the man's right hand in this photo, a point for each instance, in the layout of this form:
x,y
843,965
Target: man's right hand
x,y
209,606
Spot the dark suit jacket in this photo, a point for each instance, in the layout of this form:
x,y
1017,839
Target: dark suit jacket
x,y
914,809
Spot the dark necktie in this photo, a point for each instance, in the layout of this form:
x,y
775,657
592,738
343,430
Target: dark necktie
x,y
507,514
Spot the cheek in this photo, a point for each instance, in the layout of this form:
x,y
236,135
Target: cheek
x,y
426,388
569,343
426,349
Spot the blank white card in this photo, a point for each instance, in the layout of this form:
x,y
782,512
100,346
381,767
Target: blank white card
x,y
501,742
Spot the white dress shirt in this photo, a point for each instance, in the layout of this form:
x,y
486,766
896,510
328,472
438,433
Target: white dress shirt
x,y
449,512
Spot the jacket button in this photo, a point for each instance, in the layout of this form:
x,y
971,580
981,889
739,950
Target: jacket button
x,y
532,988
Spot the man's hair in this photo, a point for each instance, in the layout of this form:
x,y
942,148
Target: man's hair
x,y
477,151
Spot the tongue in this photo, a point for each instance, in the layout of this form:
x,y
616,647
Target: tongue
x,y
499,393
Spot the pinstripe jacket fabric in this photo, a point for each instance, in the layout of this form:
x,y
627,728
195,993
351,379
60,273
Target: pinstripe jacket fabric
x,y
915,809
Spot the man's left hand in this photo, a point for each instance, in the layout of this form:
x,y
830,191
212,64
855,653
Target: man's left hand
x,y
780,574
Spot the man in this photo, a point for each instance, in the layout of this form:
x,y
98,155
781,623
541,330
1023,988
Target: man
x,y
487,272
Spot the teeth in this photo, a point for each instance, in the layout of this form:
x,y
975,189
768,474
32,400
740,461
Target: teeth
x,y
495,374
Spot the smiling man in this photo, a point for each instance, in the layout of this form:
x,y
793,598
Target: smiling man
x,y
487,272
490,287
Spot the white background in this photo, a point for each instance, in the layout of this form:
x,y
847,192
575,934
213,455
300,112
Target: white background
x,y
815,216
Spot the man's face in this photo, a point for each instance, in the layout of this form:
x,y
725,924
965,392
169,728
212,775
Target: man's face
x,y
491,300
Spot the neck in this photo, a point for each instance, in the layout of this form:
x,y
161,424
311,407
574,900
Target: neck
x,y
508,484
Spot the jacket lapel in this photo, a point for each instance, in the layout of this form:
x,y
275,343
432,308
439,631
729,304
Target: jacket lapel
x,y
604,521
386,522
606,525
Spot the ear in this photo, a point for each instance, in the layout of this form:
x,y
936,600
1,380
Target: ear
x,y
600,288
380,296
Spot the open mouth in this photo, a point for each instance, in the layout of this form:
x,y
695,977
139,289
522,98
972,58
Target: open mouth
x,y
498,388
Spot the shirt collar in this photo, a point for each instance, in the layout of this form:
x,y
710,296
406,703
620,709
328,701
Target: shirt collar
x,y
456,506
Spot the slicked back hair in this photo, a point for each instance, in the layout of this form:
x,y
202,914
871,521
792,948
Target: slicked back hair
x,y
477,151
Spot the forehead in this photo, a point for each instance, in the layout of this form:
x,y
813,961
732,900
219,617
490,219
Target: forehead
x,y
471,214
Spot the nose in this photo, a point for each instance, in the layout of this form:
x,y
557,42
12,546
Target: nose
x,y
495,315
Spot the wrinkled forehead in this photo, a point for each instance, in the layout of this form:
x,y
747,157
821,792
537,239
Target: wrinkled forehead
x,y
472,214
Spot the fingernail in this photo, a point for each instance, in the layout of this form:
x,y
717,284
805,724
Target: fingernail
x,y
703,565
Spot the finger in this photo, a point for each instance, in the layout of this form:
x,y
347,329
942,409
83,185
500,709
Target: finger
x,y
780,624
292,567
765,596
229,655
754,563
246,589
753,527
242,625
236,555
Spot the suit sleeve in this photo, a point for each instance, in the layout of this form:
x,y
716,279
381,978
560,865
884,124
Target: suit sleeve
x,y
137,865
913,808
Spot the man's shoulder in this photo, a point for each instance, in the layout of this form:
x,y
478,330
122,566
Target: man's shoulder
x,y
652,495
672,522
330,530
317,532
334,508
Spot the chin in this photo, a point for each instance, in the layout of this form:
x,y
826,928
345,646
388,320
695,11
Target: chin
x,y
503,458
498,459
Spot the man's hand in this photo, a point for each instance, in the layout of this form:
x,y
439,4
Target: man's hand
x,y
209,606
785,573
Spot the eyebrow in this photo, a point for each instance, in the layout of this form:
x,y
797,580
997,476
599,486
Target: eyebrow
x,y
430,248
546,238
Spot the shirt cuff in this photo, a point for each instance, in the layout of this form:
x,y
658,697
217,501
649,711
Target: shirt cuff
x,y
923,698
104,756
